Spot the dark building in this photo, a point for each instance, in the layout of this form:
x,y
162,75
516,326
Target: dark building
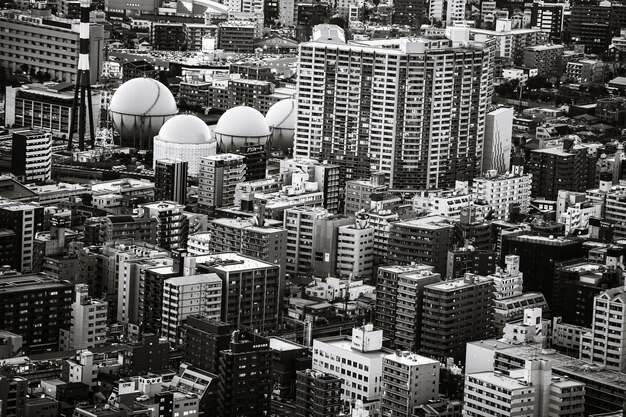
x,y
556,169
168,36
137,69
270,12
409,12
236,36
287,359
576,284
548,16
317,394
25,220
245,380
425,240
594,25
310,14
36,307
469,260
204,340
538,257
41,407
8,248
152,297
149,354
252,71
170,180
13,391
31,152
455,312
255,159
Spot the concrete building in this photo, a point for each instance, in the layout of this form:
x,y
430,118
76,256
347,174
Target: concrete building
x,y
355,247
205,338
318,394
252,289
503,192
409,380
46,107
236,36
172,224
89,321
38,307
53,45
585,71
549,18
447,11
31,155
548,59
217,178
498,134
170,180
189,295
605,345
331,133
455,312
359,192
324,174
167,36
358,361
25,221
510,43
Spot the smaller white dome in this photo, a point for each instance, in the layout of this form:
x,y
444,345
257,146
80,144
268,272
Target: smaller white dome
x,y
282,115
243,122
185,129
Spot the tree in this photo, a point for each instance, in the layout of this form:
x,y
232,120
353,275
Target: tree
x,y
537,82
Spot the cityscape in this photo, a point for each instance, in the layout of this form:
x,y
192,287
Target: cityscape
x,y
312,208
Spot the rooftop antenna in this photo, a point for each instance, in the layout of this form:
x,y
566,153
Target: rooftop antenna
x,y
83,85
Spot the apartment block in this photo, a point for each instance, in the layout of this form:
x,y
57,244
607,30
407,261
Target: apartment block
x,y
219,174
89,321
503,192
31,155
172,224
318,394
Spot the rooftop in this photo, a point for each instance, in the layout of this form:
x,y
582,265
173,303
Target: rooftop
x,y
194,279
500,380
277,343
232,262
30,282
345,343
411,359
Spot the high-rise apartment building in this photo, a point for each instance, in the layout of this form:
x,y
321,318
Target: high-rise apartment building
x,y
89,321
455,312
184,296
318,394
605,345
36,307
219,174
498,135
25,220
549,18
251,289
170,180
31,155
245,378
509,43
205,338
359,193
355,251
408,380
370,107
447,11
172,224
504,192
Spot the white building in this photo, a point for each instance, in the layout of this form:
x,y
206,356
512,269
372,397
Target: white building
x,y
446,203
185,138
409,380
357,361
605,345
498,135
502,191
613,199
447,11
508,283
332,288
355,250
184,296
89,321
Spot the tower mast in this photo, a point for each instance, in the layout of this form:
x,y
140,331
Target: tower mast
x,y
83,85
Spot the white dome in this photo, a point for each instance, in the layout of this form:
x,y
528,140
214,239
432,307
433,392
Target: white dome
x,y
143,97
242,122
282,115
185,129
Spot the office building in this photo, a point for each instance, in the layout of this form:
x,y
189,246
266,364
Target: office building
x,y
89,321
31,155
408,380
353,129
121,227
188,295
594,23
13,390
236,36
251,289
245,379
359,193
288,358
217,178
170,180
45,107
509,43
605,345
325,175
423,240
152,281
358,361
205,338
167,36
172,224
146,354
498,134
48,44
25,221
318,394
36,307
470,260
504,192
455,312
447,11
